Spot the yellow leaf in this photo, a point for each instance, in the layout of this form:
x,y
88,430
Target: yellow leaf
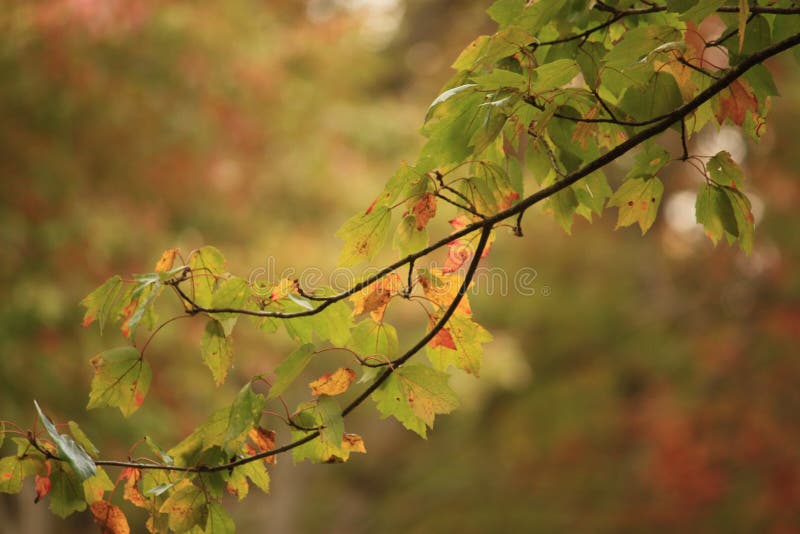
x,y
333,383
110,518
167,260
374,298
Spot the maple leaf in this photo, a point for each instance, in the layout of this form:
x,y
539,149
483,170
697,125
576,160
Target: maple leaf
x,y
131,476
110,518
374,298
638,201
424,210
413,395
464,347
734,103
443,338
460,250
334,383
264,441
441,289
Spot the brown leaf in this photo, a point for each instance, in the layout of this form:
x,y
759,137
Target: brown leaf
x,y
333,383
353,442
110,518
424,210
734,103
167,260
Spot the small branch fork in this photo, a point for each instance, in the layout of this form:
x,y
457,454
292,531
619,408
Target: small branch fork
x,y
484,226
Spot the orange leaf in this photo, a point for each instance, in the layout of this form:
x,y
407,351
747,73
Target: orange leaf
x,y
167,260
374,298
131,476
264,441
735,101
424,210
110,518
333,383
443,338
42,486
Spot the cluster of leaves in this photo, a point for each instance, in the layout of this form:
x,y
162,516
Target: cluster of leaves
x,y
561,90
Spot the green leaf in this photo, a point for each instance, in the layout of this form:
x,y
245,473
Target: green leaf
x,y
501,78
698,10
374,342
407,239
724,171
364,235
413,394
563,204
637,43
206,263
15,469
245,413
186,507
66,492
290,368
638,202
101,304
447,95
333,323
67,448
82,439
745,222
714,211
744,14
468,338
95,487
217,350
504,12
554,75
592,193
147,290
330,420
658,97
231,293
649,160
219,522
257,473
121,378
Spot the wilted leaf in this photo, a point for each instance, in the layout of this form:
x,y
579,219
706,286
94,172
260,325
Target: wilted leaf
x,y
424,210
131,476
734,102
110,518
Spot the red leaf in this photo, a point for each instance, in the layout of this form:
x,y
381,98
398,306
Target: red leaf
x,y
43,485
735,102
131,476
443,338
264,441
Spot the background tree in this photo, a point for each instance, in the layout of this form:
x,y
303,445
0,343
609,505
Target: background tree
x,y
680,458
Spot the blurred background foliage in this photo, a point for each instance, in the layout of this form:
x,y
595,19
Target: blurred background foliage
x,y
646,385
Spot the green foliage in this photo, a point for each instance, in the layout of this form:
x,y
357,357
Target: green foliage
x,y
557,94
